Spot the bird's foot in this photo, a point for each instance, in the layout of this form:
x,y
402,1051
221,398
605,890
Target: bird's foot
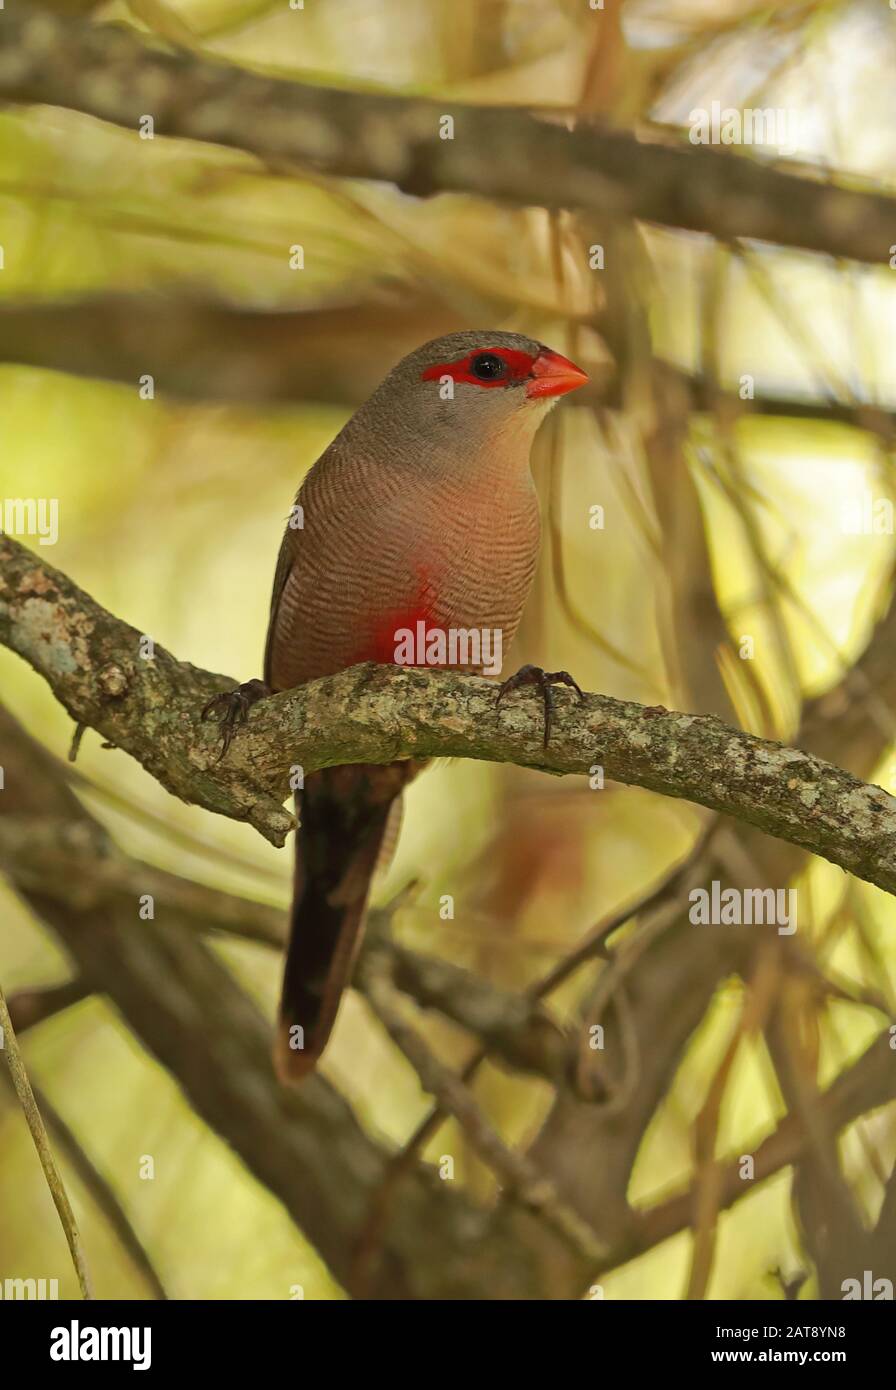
x,y
545,681
233,707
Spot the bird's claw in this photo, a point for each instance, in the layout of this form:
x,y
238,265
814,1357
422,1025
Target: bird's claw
x,y
234,706
545,681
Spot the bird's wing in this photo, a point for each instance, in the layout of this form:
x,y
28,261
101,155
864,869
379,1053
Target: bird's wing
x,y
285,562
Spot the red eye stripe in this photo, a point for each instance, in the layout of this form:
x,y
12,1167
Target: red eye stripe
x,y
519,367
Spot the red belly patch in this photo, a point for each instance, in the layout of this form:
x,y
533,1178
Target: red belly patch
x,y
382,643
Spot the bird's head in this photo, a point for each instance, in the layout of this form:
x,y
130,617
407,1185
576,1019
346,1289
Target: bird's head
x,y
473,388
506,370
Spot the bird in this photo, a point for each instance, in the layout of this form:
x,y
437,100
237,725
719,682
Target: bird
x,y
421,517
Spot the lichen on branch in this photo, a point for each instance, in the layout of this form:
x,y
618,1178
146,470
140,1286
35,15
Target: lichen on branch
x,y
112,73
146,702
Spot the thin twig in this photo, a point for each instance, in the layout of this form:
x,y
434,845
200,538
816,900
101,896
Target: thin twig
x,y
29,1008
593,945
523,1180
42,1144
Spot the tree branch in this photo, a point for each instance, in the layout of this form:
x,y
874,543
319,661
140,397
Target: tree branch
x,y
199,348
77,864
205,349
681,970
862,1087
522,1180
515,1029
496,153
149,707
304,1145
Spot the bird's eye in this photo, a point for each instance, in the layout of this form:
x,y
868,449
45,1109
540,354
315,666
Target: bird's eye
x,y
487,366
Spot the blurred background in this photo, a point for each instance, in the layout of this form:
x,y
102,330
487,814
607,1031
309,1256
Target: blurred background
x,y
716,538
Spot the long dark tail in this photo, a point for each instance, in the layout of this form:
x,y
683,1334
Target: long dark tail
x,y
343,818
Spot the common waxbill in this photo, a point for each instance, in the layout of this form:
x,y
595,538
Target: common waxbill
x,y
421,511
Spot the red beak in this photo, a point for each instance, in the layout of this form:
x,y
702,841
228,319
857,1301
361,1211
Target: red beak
x,y
554,375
